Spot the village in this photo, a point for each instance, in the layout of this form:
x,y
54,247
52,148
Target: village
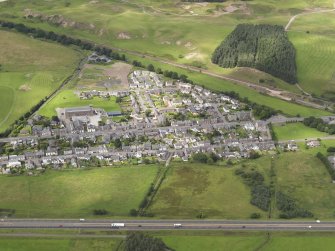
x,y
160,120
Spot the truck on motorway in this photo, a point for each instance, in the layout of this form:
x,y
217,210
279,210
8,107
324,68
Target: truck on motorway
x,y
117,225
177,225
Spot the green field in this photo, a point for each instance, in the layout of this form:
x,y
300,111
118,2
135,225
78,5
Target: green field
x,y
251,241
231,242
302,176
183,241
57,244
77,193
30,70
190,189
154,27
67,98
295,131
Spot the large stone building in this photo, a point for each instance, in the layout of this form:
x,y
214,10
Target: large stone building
x,y
78,111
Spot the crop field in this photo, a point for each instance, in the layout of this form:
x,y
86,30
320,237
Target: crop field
x,y
77,193
30,70
191,189
294,131
154,27
67,98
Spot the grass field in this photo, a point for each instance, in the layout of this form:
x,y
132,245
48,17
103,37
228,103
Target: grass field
x,y
294,131
230,242
76,193
154,27
193,188
30,70
67,98
302,176
183,241
56,244
252,241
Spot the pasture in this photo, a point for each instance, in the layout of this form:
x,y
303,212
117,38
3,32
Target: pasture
x,y
190,189
58,244
238,241
154,27
76,193
30,71
302,176
295,131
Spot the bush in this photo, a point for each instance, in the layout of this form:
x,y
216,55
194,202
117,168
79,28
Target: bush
x,y
255,216
289,207
100,212
133,212
141,242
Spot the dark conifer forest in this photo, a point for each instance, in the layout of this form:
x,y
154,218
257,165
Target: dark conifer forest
x,y
263,47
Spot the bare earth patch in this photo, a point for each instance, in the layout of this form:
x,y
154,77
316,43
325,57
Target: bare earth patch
x,y
123,35
119,71
24,87
194,55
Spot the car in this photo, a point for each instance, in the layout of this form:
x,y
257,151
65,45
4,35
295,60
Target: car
x,y
309,227
81,220
60,226
139,225
318,221
243,226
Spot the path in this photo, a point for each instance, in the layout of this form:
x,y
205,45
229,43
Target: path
x,y
304,14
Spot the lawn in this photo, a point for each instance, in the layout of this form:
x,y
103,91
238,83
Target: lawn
x,y
67,98
295,131
30,71
190,189
56,244
303,177
67,194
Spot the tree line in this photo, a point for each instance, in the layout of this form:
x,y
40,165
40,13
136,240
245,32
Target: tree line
x,y
261,196
263,47
319,124
327,164
62,39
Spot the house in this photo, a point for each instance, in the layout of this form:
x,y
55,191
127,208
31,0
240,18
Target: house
x,y
313,143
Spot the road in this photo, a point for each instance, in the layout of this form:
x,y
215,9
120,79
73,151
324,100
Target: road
x,y
146,225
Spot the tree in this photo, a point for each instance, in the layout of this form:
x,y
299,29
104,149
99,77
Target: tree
x,y
150,67
118,143
138,241
148,112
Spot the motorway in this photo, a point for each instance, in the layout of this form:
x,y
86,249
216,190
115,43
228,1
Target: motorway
x,y
146,225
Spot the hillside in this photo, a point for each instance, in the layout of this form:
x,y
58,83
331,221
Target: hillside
x,y
264,47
